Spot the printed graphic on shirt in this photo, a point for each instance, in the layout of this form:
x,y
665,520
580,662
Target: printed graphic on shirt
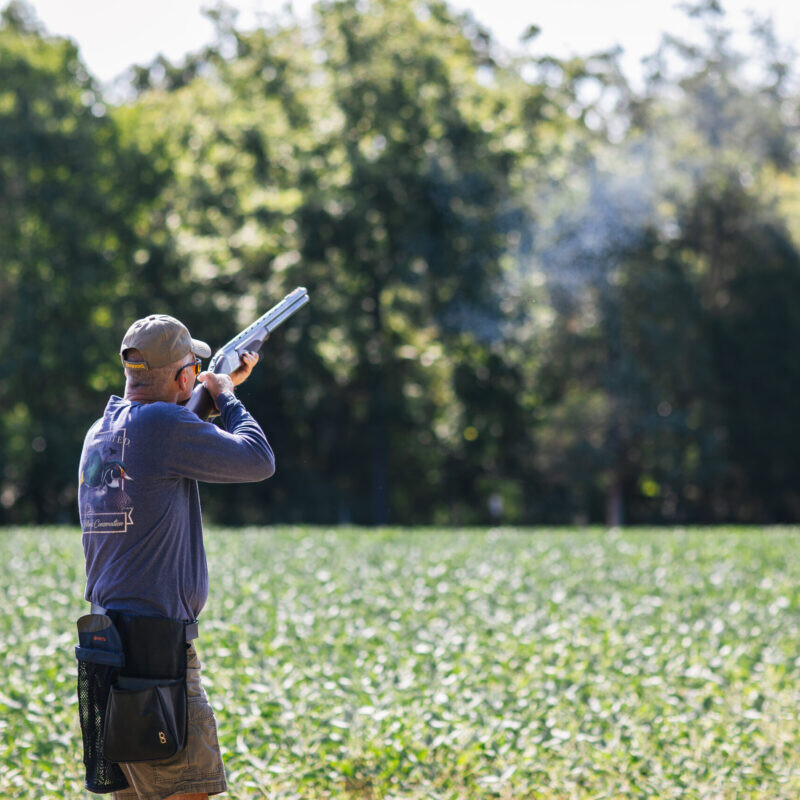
x,y
105,505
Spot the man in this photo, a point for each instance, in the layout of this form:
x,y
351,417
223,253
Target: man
x,y
140,515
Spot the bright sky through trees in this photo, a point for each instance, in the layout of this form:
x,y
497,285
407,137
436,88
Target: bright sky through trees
x,y
112,36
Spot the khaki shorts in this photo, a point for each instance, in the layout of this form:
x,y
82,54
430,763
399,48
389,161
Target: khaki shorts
x,y
197,768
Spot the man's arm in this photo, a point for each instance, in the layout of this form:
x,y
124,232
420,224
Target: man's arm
x,y
201,450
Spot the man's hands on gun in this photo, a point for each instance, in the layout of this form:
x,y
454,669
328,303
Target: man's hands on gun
x,y
218,382
242,372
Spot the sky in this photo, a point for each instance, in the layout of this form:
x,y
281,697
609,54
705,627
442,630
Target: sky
x,y
112,35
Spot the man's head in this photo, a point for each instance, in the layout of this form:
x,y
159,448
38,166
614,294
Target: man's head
x,y
154,352
161,340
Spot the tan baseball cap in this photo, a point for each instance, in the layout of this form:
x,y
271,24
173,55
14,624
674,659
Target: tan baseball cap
x,y
161,339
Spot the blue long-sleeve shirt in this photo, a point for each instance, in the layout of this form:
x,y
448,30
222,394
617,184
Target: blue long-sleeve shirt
x,y
140,505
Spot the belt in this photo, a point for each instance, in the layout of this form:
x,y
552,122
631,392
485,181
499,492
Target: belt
x,y
191,627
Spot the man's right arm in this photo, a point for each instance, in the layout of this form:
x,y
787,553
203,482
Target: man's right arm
x,y
203,451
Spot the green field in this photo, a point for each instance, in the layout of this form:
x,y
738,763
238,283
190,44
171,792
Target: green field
x,y
437,663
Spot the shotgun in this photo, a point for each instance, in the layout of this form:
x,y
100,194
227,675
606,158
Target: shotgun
x,y
228,358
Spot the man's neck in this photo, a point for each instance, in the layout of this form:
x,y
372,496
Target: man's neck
x,y
144,395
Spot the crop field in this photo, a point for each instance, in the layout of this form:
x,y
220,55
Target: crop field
x,y
446,663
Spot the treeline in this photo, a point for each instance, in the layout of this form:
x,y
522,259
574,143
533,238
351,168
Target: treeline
x,y
539,294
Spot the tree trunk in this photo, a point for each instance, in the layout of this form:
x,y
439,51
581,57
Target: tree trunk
x,y
378,426
379,436
615,505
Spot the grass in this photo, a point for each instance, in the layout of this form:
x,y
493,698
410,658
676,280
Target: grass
x,y
443,664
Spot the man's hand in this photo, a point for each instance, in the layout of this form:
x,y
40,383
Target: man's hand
x,y
242,372
216,383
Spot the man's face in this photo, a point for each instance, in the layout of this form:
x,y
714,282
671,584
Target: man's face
x,y
186,377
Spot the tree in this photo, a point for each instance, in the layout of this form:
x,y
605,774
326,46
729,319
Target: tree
x,y
69,255
674,281
371,159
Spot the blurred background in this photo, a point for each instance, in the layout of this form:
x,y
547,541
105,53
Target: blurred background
x,y
549,283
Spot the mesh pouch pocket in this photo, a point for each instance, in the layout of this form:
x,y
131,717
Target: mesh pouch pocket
x,y
98,668
145,720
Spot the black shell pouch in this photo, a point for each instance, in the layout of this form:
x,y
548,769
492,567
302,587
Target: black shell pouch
x,y
147,711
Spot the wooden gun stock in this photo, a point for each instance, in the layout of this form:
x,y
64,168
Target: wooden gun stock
x,y
201,403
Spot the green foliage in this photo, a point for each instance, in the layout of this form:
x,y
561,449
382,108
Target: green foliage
x,y
372,163
670,269
450,663
71,195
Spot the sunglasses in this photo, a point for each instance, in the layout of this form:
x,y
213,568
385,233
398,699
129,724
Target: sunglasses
x,y
195,366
